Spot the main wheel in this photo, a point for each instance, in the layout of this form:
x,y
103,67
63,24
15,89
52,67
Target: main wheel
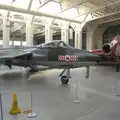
x,y
64,79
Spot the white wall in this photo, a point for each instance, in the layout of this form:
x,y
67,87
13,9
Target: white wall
x,y
98,37
90,44
94,38
14,43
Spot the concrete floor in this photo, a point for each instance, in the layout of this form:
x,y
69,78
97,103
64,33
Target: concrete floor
x,y
53,101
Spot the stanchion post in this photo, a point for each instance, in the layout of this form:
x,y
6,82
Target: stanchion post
x,y
114,84
31,100
1,108
31,115
115,89
76,93
87,72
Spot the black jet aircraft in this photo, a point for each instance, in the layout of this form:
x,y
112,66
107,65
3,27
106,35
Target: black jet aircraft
x,y
52,55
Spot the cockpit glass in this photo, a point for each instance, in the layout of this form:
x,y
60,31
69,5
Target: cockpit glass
x,y
55,43
52,44
61,44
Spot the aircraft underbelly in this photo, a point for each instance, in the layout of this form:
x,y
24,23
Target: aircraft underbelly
x,y
54,64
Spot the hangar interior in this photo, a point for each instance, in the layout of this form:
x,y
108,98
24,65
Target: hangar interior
x,y
83,24
77,18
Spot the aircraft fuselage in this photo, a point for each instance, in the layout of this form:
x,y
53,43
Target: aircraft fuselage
x,y
57,58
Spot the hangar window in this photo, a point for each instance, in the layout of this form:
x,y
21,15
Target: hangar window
x,y
110,33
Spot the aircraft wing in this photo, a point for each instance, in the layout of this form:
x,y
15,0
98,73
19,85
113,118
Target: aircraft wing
x,y
12,53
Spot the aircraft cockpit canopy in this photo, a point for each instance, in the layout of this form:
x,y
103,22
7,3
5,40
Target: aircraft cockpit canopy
x,y
54,44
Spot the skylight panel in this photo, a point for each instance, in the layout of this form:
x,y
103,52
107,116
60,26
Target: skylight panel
x,y
21,3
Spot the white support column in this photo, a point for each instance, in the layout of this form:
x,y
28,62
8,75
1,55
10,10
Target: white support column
x,y
89,41
90,44
13,39
71,33
64,35
29,33
78,38
78,34
65,32
6,31
48,33
12,43
21,41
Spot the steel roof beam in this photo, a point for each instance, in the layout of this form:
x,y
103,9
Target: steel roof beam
x,y
100,8
15,9
107,15
30,4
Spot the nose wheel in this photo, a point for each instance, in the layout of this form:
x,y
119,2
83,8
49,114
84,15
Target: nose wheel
x,y
64,79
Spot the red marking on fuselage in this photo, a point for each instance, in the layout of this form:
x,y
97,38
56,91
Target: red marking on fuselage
x,y
68,58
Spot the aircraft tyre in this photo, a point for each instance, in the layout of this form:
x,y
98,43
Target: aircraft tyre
x,y
64,79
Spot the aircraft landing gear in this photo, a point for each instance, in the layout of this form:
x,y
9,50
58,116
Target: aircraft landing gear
x,y
118,65
87,71
65,78
30,72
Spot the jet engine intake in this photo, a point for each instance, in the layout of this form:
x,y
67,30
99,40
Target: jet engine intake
x,y
106,49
